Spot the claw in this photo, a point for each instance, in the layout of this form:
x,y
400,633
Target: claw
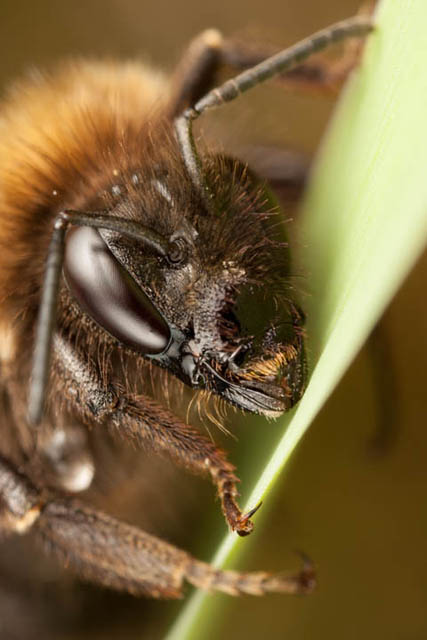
x,y
251,512
244,525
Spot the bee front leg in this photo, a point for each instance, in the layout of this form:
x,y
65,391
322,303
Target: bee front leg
x,y
148,423
114,554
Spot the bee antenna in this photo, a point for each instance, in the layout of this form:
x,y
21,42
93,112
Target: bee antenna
x,y
281,62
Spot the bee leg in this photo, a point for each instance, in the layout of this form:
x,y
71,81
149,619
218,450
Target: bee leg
x,y
114,554
145,421
20,501
119,556
148,423
197,70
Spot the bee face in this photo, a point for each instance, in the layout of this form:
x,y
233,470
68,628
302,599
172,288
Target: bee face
x,y
215,309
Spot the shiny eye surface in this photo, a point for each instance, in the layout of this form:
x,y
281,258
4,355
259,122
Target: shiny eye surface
x,y
107,292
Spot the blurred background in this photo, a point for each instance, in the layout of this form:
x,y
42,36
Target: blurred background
x,y
359,511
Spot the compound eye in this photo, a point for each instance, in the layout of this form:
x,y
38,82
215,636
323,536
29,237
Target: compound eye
x,y
107,292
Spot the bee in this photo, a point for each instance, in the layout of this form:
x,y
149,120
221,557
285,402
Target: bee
x,y
126,245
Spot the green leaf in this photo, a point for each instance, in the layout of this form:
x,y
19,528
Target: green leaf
x,y
364,225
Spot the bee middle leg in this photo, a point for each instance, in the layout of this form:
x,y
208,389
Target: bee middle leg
x,y
149,424
117,555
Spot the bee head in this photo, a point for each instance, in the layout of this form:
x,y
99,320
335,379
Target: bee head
x,y
216,307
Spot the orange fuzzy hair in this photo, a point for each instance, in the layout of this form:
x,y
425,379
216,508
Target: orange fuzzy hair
x,y
60,139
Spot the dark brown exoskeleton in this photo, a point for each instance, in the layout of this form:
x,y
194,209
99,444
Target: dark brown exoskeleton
x,y
156,254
